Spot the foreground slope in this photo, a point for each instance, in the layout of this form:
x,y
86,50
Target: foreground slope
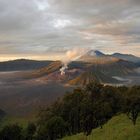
x,y
118,128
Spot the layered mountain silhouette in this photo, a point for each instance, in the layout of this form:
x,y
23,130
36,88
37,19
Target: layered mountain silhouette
x,y
127,57
97,54
22,64
92,66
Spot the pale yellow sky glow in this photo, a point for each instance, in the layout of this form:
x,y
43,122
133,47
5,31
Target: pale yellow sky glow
x,y
32,57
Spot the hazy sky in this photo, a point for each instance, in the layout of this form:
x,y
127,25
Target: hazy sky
x,y
46,29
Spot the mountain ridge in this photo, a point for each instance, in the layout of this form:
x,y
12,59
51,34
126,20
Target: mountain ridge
x,y
96,54
23,64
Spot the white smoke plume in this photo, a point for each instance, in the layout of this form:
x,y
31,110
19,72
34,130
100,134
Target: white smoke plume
x,y
62,70
72,55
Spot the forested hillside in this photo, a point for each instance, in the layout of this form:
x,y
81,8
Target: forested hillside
x,y
82,110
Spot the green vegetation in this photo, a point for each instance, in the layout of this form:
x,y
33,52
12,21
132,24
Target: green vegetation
x,y
14,120
91,112
89,108
118,128
2,114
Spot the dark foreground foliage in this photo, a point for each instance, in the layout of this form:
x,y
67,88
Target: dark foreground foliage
x,y
80,111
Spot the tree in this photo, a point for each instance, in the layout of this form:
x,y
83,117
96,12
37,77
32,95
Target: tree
x,y
103,112
87,118
30,131
112,96
53,129
71,110
132,103
94,90
2,114
11,132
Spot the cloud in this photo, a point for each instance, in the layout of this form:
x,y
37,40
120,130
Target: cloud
x,y
46,26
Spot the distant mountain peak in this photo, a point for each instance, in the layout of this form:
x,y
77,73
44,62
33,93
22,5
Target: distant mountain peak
x,y
99,53
95,53
96,56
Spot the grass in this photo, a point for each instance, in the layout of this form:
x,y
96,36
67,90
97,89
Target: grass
x,y
118,128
